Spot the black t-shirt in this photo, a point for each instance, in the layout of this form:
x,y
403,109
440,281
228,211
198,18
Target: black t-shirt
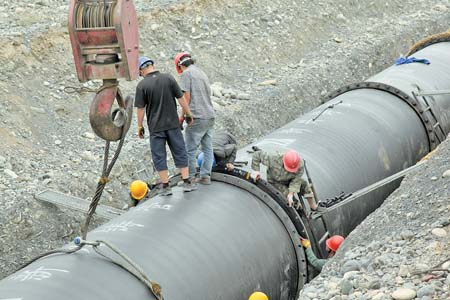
x,y
156,93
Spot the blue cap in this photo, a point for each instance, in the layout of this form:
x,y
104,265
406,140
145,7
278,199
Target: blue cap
x,y
145,60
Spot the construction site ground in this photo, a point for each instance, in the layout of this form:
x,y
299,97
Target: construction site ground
x,y
269,62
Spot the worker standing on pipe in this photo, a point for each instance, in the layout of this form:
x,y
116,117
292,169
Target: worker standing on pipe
x,y
197,92
284,172
224,148
155,95
332,245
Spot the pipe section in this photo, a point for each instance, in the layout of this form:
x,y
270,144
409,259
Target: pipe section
x,y
230,238
367,132
198,245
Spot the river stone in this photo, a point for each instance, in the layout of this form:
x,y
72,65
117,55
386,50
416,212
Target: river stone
x,y
89,135
11,173
403,271
351,265
351,275
2,161
446,174
310,289
446,265
88,155
268,82
407,234
439,232
243,96
421,267
346,287
404,294
426,290
374,284
409,285
379,296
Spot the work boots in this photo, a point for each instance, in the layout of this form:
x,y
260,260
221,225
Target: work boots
x,y
188,186
206,180
166,191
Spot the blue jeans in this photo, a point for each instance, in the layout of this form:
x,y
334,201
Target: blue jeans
x,y
200,133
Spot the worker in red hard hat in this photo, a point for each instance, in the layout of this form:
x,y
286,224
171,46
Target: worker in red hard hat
x,y
332,245
197,91
284,172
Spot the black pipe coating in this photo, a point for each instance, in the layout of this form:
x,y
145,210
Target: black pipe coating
x,y
228,239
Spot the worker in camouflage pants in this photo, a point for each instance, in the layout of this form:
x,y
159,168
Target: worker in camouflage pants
x,y
284,172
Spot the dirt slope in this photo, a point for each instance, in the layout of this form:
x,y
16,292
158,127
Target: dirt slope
x,y
270,61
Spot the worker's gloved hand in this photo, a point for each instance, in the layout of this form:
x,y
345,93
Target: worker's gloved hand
x,y
141,132
290,199
189,118
305,243
255,176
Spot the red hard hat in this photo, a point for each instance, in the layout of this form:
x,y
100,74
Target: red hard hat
x,y
334,242
179,59
291,161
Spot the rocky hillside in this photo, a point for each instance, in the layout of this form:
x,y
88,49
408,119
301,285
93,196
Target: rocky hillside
x,y
270,61
390,255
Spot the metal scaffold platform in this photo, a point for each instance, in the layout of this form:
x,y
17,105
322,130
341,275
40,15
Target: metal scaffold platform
x,y
76,203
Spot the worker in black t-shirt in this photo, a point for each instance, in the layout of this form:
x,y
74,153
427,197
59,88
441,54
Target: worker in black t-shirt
x,y
155,98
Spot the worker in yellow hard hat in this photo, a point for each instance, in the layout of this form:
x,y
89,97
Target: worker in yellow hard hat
x,y
258,296
138,191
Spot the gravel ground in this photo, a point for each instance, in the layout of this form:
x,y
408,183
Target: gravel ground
x,y
266,58
409,233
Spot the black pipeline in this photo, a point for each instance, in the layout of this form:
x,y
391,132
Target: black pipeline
x,y
226,240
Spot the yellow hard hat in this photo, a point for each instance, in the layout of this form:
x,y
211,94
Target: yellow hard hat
x,y
138,189
258,296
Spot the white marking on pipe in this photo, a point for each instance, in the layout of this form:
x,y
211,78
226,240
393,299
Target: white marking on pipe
x,y
40,273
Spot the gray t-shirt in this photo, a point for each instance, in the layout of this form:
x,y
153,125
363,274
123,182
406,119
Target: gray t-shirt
x,y
195,81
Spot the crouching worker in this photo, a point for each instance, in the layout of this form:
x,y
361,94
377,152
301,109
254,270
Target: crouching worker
x,y
332,245
225,149
284,172
138,191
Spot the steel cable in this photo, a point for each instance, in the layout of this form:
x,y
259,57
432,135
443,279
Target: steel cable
x,y
136,270
107,167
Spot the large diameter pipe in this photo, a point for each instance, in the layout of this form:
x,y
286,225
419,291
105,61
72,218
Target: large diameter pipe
x,y
353,145
214,243
367,132
228,239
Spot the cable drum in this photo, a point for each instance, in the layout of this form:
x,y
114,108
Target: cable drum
x,y
94,14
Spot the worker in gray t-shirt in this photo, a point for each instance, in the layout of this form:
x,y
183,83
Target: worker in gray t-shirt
x,y
195,85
